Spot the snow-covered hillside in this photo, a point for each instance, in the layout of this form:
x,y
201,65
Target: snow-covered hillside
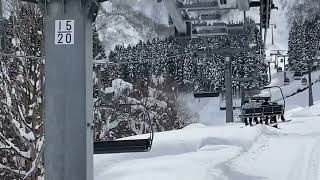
x,y
128,22
214,150
225,152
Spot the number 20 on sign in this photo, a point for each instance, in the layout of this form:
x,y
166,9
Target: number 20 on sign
x,y
64,32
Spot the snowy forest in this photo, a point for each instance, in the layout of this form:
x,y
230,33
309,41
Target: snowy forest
x,y
148,76
157,71
304,35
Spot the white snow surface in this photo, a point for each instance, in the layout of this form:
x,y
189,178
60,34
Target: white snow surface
x,y
215,150
224,152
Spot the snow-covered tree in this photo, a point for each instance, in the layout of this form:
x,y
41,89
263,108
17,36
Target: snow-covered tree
x,y
128,109
303,42
21,97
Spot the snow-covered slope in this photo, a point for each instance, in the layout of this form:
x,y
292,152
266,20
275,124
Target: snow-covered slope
x,y
224,152
228,152
209,108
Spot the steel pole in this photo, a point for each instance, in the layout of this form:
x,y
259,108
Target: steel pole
x,y
310,85
68,92
228,90
266,29
272,34
284,68
269,71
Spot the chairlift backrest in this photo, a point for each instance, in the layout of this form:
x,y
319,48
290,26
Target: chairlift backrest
x,y
286,79
297,73
261,98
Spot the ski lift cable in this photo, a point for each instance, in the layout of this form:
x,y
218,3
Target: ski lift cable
x,y
143,61
21,56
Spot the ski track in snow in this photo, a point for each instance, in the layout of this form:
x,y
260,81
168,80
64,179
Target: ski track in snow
x,y
287,156
263,153
309,168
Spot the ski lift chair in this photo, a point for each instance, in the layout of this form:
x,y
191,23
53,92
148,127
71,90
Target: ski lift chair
x,y
126,146
271,110
279,69
297,75
205,94
286,81
304,81
261,98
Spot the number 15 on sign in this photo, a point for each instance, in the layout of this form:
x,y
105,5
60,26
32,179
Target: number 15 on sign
x,y
64,32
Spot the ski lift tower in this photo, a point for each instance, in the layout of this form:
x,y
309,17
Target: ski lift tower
x,y
198,18
68,88
191,18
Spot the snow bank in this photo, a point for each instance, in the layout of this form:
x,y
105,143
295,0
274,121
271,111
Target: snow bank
x,y
308,111
185,153
223,152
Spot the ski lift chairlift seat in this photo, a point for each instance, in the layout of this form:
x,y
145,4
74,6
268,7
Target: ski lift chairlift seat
x,y
122,146
273,109
297,75
205,94
304,81
261,98
286,81
125,146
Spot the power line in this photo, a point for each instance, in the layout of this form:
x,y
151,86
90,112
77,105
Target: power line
x,y
136,62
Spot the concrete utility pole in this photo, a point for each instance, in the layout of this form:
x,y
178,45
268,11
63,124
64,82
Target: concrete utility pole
x,y
68,89
228,90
